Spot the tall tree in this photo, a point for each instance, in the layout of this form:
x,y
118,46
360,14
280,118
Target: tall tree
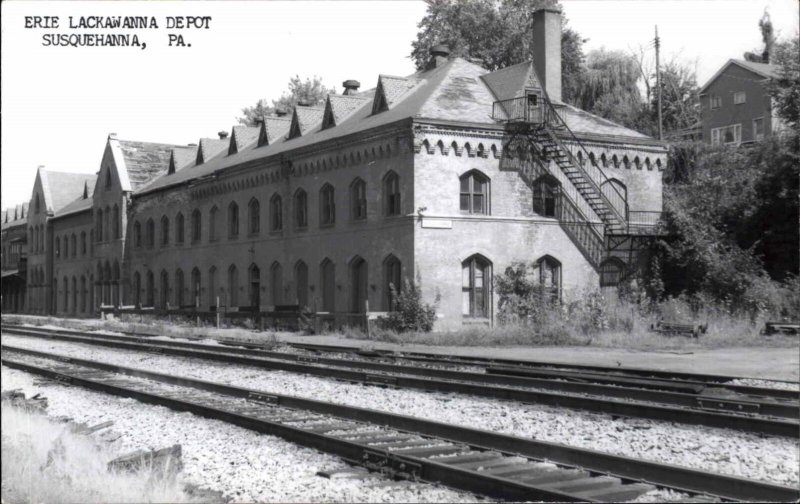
x,y
310,91
785,86
680,96
498,33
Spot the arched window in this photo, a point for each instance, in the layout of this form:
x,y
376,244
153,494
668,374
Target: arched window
x,y
474,193
74,308
254,287
213,295
327,206
391,194
179,228
615,189
164,290
197,225
233,220
99,225
358,285
476,282
301,283
550,276
546,196
115,224
91,242
107,224
150,290
73,245
58,247
179,288
276,281
611,272
195,288
150,233
66,247
300,209
276,213
137,234
164,231
137,289
391,281
84,306
83,243
328,282
254,217
213,223
233,286
358,200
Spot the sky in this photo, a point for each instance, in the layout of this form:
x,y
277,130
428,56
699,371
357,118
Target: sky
x,y
60,103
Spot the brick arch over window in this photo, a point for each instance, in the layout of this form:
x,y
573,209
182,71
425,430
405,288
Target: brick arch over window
x,y
300,204
476,287
327,205
548,270
197,225
164,231
475,193
391,194
253,217
233,220
358,199
179,228
276,212
150,233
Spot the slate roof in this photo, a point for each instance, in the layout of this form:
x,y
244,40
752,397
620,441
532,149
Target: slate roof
x,y
457,91
340,107
211,148
65,187
273,129
79,205
15,216
304,119
144,161
184,156
243,137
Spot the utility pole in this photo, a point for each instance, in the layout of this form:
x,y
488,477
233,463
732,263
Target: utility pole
x,y
658,85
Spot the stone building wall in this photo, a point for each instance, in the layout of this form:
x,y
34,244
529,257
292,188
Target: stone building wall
x,y
72,269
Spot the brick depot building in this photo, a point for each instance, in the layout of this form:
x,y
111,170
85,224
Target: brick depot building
x,y
418,178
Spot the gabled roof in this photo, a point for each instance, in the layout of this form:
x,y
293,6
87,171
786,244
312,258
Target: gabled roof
x,y
181,157
303,119
458,91
81,204
340,107
15,216
61,188
272,129
764,70
143,162
243,137
210,148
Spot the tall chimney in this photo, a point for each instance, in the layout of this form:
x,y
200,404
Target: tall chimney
x,y
547,50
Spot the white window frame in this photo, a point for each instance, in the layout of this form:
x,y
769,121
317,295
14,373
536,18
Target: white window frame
x,y
717,99
756,136
739,97
717,135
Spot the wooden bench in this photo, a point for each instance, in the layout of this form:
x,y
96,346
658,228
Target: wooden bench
x,y
781,328
675,328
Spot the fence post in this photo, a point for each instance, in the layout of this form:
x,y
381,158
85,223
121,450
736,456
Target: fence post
x,y
366,317
217,312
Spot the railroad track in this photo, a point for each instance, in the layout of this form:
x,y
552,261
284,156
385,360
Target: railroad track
x,y
488,463
762,415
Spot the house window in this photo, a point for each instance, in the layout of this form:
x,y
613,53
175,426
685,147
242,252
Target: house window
x,y
474,193
164,231
327,205
300,209
550,277
179,228
546,199
476,278
739,97
728,135
197,225
716,102
276,213
758,129
391,193
150,233
233,220
83,242
254,217
358,200
213,223
137,234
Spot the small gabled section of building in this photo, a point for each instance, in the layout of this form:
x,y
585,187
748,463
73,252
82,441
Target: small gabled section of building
x,y
211,148
391,90
181,157
243,137
273,128
304,119
339,107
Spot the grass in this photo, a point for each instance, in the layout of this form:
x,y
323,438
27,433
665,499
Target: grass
x,y
44,461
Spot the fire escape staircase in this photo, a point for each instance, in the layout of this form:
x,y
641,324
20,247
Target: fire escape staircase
x,y
536,136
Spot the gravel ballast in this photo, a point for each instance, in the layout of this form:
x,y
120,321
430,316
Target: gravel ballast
x,y
246,466
773,459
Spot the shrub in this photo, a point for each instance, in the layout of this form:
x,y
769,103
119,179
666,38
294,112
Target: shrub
x,y
411,312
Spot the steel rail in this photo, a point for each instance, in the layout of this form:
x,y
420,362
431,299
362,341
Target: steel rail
x,y
624,468
465,383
